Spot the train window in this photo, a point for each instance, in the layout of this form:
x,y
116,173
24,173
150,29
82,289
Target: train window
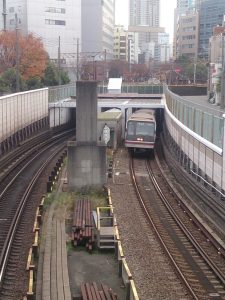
x,y
131,128
144,128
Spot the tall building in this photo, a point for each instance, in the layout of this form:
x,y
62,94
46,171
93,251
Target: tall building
x,y
144,13
48,20
144,19
98,20
210,15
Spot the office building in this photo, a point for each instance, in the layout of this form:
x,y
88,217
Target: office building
x,y
211,14
98,20
52,21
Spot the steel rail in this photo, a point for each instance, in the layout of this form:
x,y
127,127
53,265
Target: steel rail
x,y
188,234
14,224
157,233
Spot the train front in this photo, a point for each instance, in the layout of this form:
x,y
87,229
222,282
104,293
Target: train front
x,y
140,134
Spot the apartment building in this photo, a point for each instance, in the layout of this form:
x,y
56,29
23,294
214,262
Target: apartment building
x,y
187,35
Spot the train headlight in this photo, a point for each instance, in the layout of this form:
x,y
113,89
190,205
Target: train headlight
x,y
140,139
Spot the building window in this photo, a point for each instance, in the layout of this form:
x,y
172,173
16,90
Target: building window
x,y
55,22
55,10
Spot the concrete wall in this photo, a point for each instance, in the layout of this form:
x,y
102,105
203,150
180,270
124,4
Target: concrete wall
x,y
188,90
59,116
18,111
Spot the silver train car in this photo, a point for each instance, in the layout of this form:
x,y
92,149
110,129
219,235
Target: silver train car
x,y
141,130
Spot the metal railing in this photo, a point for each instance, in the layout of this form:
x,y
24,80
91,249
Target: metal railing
x,y
57,93
206,125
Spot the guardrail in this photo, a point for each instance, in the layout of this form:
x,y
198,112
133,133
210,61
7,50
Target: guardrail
x,y
57,93
206,125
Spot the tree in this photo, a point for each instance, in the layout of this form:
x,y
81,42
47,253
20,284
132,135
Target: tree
x,y
117,68
32,56
51,75
8,81
187,66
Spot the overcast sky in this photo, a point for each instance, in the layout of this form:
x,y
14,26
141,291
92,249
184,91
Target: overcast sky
x,y
166,16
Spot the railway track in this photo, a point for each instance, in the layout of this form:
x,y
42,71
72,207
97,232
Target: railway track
x,y
18,202
200,265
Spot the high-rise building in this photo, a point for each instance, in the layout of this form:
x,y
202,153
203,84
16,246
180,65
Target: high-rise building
x,y
144,19
210,15
98,20
144,13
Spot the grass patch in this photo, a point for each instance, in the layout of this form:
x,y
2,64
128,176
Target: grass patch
x,y
49,198
98,197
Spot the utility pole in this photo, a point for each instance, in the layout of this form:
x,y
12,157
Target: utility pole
x,y
59,62
194,72
4,15
104,73
222,104
78,59
17,56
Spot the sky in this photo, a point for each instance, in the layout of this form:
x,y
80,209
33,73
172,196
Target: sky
x,y
166,14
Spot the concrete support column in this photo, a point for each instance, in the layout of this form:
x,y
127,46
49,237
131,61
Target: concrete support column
x,y
223,172
86,112
86,156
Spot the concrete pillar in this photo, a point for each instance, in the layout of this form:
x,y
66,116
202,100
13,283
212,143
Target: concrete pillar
x,y
86,156
86,112
223,169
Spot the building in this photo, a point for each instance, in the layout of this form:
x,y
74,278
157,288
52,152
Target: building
x,y
133,49
183,7
216,59
217,45
144,20
144,13
3,15
187,35
63,28
163,48
125,45
210,15
120,51
52,21
97,34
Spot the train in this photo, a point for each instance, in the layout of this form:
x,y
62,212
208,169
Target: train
x,y
141,130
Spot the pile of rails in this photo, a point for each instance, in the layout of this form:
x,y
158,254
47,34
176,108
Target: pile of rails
x,y
83,231
90,291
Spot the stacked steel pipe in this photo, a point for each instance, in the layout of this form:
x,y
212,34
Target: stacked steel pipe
x,y
90,291
83,231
